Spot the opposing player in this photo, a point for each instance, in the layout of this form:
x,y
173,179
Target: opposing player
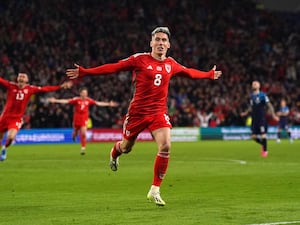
x,y
151,74
258,102
18,95
81,113
283,114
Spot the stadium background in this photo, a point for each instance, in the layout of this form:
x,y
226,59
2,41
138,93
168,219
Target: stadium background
x,y
243,38
208,182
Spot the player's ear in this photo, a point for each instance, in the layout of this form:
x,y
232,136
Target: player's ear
x,y
27,78
169,45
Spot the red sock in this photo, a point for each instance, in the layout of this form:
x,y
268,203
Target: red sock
x,y
116,151
83,140
8,142
160,167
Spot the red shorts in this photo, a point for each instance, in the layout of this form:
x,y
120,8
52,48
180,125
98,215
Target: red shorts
x,y
7,123
135,124
77,124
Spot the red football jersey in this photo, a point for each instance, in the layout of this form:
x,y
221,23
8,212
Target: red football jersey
x,y
81,109
150,79
17,98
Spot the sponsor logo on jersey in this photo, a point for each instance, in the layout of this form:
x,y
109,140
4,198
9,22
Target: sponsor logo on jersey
x,y
159,68
149,67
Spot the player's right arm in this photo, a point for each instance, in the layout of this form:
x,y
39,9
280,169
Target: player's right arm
x,y
61,101
122,65
246,112
4,82
272,111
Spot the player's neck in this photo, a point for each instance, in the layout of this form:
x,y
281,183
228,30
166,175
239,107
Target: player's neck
x,y
160,57
21,85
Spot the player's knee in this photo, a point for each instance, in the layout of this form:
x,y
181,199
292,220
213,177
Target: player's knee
x,y
126,150
166,147
10,137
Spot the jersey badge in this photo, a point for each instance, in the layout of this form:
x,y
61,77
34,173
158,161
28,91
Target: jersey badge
x,y
168,68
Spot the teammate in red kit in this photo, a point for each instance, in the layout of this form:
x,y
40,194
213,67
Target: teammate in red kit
x,y
81,113
18,95
151,74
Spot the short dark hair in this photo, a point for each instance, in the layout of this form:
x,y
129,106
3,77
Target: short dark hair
x,y
83,89
161,30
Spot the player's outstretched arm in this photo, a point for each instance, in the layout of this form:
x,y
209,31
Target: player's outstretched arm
x,y
4,82
55,100
198,74
109,68
64,85
111,103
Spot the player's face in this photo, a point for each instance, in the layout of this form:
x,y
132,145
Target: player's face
x,y
283,103
22,78
83,93
160,44
255,85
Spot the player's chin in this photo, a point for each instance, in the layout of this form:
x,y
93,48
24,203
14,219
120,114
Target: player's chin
x,y
160,52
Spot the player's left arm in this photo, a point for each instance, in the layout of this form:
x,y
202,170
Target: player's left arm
x,y
198,74
64,85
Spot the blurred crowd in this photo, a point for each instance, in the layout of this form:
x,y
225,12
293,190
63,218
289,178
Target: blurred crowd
x,y
243,39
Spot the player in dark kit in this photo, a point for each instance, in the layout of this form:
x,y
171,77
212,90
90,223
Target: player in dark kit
x,y
151,74
258,102
283,114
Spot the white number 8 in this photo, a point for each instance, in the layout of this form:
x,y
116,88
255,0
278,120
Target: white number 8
x,y
157,80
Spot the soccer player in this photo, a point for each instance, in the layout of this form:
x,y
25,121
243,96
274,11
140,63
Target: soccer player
x,y
18,95
258,101
151,74
283,114
81,113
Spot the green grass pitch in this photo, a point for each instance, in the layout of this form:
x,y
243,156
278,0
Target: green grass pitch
x,y
209,183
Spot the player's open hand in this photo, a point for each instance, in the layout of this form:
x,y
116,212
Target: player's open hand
x,y
217,73
66,84
113,104
73,73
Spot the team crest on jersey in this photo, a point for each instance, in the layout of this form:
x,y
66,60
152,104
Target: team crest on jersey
x,y
26,91
168,68
257,100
